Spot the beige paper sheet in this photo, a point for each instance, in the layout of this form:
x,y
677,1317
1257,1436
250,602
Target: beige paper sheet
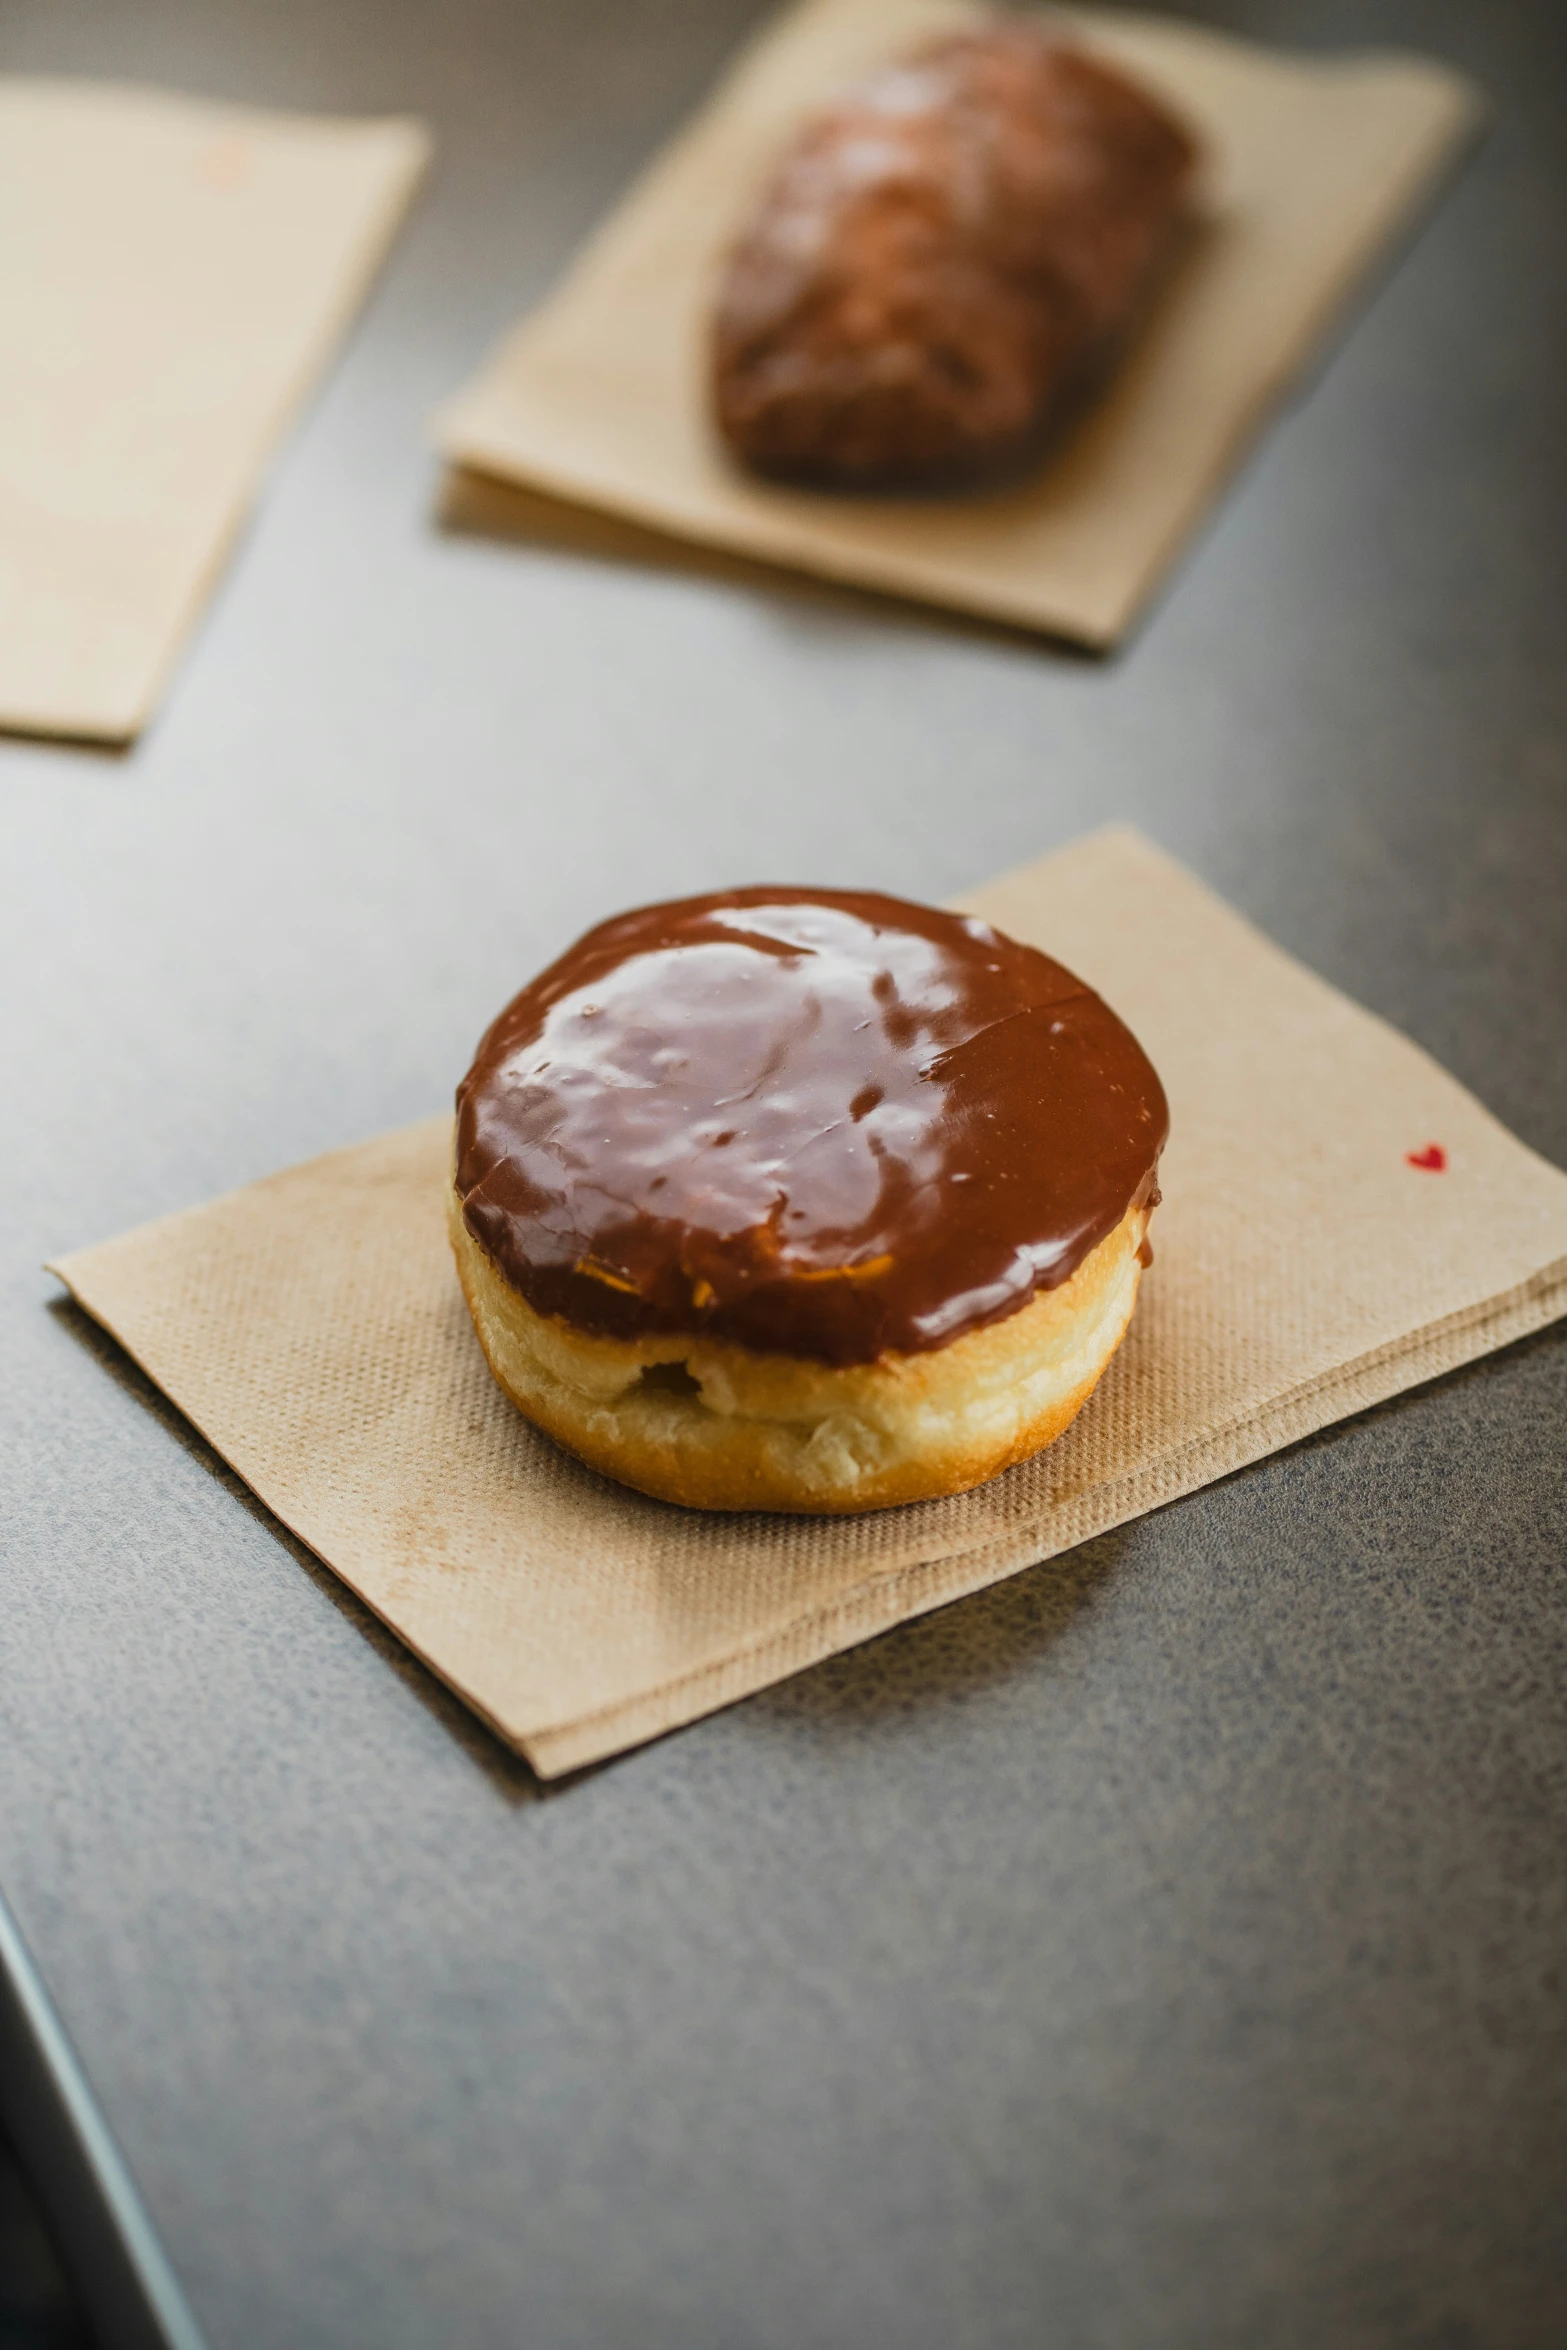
x,y
173,275
599,396
312,1328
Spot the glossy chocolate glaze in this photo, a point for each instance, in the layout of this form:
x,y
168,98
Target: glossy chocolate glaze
x,y
816,1122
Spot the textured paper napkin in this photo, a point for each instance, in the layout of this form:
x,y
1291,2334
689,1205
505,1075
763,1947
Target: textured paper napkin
x,y
600,395
312,1328
172,275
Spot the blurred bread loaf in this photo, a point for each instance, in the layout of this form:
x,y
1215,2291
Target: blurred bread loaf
x,y
943,259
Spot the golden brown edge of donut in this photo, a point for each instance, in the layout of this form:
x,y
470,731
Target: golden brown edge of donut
x,y
758,1431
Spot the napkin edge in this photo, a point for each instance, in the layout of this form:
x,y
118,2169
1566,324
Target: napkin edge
x,y
1365,1383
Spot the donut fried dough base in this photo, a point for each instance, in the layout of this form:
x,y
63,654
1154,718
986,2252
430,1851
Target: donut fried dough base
x,y
717,1426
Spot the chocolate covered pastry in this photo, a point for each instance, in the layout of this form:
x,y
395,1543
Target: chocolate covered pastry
x,y
943,261
803,1199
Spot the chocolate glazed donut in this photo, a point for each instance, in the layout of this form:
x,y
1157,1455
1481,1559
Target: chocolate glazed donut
x,y
943,261
803,1198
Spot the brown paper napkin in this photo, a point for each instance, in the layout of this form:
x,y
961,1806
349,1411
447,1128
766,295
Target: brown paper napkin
x,y
599,395
311,1327
172,276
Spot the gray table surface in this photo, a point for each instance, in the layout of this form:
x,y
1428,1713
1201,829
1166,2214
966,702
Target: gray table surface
x,y
1164,1949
